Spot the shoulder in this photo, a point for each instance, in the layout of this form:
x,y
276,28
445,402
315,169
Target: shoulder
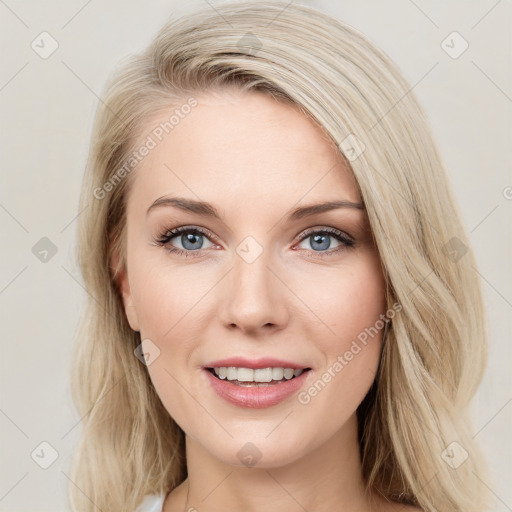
x,y
151,503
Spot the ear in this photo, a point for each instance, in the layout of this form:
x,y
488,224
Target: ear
x,y
123,285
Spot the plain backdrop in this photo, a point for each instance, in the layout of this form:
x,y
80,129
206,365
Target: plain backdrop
x,y
47,107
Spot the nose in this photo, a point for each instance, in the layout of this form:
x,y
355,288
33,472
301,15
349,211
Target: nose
x,y
254,298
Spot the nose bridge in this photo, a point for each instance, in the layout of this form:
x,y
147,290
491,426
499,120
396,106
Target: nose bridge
x,y
254,296
252,277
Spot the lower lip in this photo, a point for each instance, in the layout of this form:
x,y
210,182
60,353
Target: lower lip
x,y
255,397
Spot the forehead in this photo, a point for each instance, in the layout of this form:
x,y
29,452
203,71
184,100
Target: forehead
x,y
241,146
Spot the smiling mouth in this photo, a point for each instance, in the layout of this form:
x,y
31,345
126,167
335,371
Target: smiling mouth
x,y
263,377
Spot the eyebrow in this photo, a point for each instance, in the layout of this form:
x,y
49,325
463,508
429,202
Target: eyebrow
x,y
208,210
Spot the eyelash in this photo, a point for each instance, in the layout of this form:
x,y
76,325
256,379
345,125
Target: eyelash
x,y
164,239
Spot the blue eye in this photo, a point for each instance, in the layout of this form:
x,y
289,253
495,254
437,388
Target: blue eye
x,y
192,239
319,241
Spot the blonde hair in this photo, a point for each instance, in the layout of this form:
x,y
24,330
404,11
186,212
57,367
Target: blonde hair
x,y
434,353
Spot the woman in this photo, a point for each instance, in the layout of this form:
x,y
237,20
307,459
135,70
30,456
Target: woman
x,y
283,310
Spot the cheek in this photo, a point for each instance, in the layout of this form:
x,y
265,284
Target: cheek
x,y
166,298
348,302
352,345
169,309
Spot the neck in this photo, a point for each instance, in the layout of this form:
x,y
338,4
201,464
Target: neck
x,y
328,478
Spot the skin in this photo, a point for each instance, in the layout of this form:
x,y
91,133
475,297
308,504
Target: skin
x,y
255,159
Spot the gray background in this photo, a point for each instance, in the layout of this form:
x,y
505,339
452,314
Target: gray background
x,y
47,109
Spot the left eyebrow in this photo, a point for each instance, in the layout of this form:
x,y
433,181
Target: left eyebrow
x,y
208,210
313,209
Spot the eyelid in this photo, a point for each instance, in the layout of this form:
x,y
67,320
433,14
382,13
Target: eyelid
x,y
304,234
324,229
346,241
174,232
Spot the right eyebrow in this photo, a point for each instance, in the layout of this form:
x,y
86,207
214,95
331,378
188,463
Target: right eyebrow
x,y
189,205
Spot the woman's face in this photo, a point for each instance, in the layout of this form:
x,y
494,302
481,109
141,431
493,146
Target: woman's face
x,y
255,283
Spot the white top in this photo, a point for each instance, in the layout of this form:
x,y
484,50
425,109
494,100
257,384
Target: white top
x,y
151,503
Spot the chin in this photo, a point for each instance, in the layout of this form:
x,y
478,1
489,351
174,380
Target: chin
x,y
258,453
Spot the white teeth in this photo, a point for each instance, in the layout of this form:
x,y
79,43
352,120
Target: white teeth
x,y
245,374
277,373
288,373
259,375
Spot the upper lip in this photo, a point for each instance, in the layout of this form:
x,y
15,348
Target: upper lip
x,y
264,362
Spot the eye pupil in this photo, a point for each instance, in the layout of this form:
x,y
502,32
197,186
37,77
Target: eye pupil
x,y
191,238
318,238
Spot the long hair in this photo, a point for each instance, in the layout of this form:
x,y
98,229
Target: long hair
x,y
414,427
